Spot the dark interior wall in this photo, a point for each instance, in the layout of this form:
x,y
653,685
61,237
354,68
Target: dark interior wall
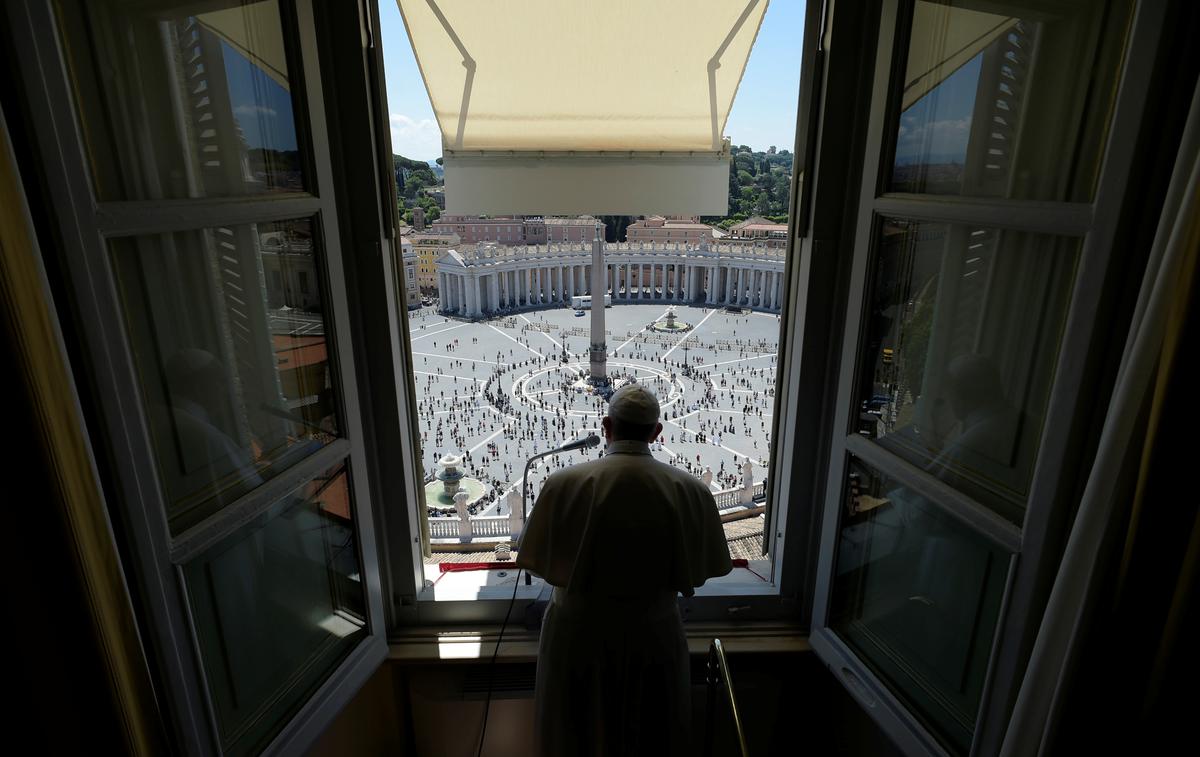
x,y
789,703
369,725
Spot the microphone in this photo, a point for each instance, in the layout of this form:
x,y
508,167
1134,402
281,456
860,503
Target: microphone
x,y
591,440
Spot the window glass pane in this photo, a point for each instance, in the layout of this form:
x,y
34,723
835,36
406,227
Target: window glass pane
x,y
231,355
277,605
918,597
183,100
963,334
1010,104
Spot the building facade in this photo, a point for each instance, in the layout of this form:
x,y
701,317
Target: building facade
x,y
489,279
759,230
412,289
515,230
430,247
659,229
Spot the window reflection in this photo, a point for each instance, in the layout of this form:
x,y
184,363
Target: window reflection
x,y
277,604
232,357
963,335
183,100
918,596
1005,101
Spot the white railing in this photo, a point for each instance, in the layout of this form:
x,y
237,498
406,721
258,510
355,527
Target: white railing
x,y
443,528
499,527
490,525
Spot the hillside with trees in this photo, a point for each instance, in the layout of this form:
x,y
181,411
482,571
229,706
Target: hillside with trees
x,y
759,185
413,178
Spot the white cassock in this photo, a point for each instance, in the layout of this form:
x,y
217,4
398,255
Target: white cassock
x,y
619,538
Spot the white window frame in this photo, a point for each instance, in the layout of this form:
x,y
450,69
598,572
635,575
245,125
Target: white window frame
x,y
1031,543
778,600
154,558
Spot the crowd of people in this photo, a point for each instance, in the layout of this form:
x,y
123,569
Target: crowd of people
x,y
499,408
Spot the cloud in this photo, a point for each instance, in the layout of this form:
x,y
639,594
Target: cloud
x,y
943,138
254,110
419,139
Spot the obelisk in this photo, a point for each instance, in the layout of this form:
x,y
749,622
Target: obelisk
x,y
599,286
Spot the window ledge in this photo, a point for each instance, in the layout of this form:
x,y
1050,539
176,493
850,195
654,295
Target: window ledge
x,y
468,643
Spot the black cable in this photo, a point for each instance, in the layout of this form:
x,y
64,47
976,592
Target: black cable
x,y
487,705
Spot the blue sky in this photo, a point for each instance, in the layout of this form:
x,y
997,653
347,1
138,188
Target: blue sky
x,y
262,108
935,128
764,111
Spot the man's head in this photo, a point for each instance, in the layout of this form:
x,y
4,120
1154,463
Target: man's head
x,y
632,415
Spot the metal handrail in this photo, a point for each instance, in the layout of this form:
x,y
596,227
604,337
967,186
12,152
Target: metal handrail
x,y
718,673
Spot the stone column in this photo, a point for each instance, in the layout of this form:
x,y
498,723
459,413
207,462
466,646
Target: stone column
x,y
516,520
464,519
728,286
495,283
537,285
598,347
746,494
472,296
740,286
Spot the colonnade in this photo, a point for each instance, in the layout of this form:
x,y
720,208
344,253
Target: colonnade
x,y
492,279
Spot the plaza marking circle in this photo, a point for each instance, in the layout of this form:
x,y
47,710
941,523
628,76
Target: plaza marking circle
x,y
519,389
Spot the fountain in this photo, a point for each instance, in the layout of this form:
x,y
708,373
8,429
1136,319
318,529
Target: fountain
x,y
451,481
670,323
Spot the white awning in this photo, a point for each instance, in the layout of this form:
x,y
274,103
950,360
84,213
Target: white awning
x,y
582,98
944,38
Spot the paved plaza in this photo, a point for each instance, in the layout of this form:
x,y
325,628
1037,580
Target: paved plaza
x,y
498,391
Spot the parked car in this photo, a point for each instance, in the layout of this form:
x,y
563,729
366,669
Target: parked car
x,y
578,313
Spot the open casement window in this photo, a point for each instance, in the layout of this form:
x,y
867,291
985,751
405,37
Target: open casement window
x,y
996,156
185,145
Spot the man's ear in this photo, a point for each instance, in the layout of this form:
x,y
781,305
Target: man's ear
x,y
606,427
658,430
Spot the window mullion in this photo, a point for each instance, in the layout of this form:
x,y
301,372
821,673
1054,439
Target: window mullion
x,y
1061,218
159,216
222,523
970,513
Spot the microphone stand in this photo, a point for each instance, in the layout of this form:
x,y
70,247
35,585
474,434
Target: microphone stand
x,y
525,479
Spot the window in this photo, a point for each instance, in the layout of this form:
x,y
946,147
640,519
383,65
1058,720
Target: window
x,y
964,332
499,370
226,398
